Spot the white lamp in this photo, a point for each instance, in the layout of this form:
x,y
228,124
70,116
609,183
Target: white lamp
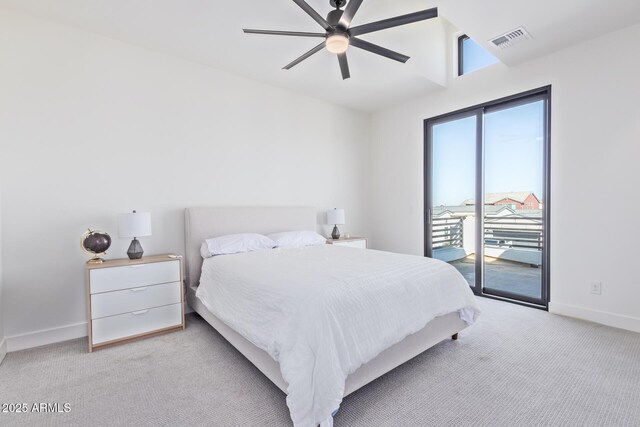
x,y
336,217
135,224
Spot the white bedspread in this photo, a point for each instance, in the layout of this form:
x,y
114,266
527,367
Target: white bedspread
x,y
323,311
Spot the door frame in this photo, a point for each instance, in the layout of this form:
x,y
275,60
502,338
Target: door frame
x,y
428,179
479,110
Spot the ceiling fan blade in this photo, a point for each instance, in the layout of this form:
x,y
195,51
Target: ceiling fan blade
x,y
344,65
378,50
312,13
394,22
349,12
305,56
284,33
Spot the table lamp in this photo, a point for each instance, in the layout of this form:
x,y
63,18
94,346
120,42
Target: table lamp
x,y
134,224
336,217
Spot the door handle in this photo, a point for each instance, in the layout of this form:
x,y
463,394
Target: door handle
x,y
144,288
137,313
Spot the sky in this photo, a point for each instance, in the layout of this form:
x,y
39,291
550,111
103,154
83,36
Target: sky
x,y
513,148
475,57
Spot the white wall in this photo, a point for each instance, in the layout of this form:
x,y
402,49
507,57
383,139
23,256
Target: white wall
x,y
594,170
92,127
3,343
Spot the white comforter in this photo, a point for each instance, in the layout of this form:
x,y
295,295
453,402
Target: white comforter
x,y
323,311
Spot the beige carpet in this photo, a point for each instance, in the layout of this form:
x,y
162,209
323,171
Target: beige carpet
x,y
516,367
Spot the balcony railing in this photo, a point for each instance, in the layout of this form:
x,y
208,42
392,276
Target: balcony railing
x,y
516,233
447,232
499,232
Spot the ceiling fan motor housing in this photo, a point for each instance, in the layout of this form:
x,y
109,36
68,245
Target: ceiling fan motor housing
x,y
334,17
337,36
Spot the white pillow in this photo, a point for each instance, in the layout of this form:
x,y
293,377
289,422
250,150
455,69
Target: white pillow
x,y
235,243
297,239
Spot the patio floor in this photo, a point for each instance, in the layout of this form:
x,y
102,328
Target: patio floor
x,y
521,279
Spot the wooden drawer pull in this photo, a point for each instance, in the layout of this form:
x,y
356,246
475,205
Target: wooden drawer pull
x,y
144,288
137,313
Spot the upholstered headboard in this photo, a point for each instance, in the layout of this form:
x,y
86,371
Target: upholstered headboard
x,y
206,222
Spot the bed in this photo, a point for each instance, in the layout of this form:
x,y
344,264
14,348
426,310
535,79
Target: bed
x,y
206,222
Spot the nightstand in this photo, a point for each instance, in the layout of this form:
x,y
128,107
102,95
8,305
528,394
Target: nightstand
x,y
132,299
353,242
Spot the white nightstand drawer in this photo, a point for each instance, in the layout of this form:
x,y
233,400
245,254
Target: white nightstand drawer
x,y
362,244
135,323
350,242
133,299
131,276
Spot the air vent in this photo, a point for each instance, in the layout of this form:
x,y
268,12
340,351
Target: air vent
x,y
511,38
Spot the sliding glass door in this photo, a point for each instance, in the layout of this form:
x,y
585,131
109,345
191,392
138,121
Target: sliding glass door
x,y
486,191
452,179
514,198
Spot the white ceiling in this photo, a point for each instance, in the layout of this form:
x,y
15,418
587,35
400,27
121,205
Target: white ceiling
x,y
209,32
554,24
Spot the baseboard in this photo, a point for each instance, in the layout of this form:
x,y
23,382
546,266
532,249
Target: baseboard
x,y
50,336
603,317
46,336
3,349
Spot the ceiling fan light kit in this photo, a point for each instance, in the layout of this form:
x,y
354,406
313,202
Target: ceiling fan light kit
x,y
337,43
339,34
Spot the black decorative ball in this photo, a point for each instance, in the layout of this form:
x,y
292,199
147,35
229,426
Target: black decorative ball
x,y
96,242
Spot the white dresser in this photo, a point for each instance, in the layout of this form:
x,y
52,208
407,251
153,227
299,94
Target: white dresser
x,y
354,242
131,299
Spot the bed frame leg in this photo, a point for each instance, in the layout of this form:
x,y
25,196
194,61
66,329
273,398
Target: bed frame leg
x,y
454,337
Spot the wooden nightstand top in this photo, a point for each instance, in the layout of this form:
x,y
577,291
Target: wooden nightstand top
x,y
346,239
126,261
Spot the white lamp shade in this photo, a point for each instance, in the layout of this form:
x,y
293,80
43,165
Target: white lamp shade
x,y
335,216
135,224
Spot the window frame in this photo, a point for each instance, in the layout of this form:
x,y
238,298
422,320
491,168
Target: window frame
x,y
461,40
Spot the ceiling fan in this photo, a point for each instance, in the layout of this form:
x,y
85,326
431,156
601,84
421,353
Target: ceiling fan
x,y
339,34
